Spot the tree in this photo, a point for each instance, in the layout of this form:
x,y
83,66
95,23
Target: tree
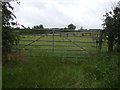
x,y
9,38
28,28
71,27
112,27
65,28
81,28
38,27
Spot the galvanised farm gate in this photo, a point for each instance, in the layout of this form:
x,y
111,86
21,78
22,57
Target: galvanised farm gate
x,y
65,43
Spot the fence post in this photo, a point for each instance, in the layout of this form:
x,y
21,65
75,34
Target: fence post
x,y
53,42
100,41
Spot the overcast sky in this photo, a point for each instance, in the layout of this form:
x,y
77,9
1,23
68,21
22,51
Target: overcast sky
x,y
60,13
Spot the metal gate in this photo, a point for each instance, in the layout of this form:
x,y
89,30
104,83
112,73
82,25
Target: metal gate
x,y
65,43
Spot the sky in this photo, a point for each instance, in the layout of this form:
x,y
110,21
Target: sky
x,y
60,13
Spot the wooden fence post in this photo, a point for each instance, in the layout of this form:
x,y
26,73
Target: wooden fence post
x,y
53,42
100,41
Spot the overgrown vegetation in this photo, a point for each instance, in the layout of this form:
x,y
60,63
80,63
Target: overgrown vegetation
x,y
50,71
9,37
112,27
56,72
104,71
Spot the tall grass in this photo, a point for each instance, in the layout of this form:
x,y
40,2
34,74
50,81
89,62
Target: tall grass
x,y
103,72
41,72
57,72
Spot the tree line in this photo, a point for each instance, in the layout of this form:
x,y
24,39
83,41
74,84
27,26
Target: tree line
x,y
69,27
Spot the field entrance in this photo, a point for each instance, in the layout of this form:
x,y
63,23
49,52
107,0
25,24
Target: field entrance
x,y
67,43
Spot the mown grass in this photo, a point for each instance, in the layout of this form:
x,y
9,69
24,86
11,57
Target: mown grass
x,y
57,72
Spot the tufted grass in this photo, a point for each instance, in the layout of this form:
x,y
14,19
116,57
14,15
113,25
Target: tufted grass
x,y
49,71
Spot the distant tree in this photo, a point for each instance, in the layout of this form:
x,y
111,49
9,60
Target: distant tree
x,y
38,27
81,28
9,37
71,27
41,27
65,28
28,28
112,27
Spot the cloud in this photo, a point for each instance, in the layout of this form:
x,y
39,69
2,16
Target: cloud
x,y
60,13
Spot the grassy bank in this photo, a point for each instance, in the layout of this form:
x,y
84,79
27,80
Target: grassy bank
x,y
103,72
56,72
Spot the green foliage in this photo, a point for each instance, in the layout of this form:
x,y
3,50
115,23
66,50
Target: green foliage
x,y
41,72
7,14
81,28
112,27
9,38
55,72
103,72
28,28
71,27
38,27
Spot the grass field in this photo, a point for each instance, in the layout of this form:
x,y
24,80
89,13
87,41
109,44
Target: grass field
x,y
54,71
69,46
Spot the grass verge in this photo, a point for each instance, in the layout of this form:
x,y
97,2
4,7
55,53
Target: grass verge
x,y
56,72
